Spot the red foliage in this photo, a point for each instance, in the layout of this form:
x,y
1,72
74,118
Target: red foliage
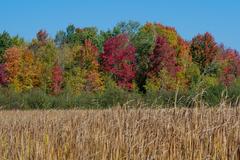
x,y
204,50
3,75
42,37
211,47
163,57
119,59
231,69
57,79
183,51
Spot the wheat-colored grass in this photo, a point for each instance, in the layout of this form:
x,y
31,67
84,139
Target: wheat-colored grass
x,y
136,134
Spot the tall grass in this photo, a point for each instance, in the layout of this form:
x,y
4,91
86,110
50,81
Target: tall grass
x,y
121,133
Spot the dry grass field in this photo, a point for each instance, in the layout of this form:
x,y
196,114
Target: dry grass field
x,y
136,134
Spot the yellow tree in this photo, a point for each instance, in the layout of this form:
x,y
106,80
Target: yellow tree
x,y
83,68
22,69
89,54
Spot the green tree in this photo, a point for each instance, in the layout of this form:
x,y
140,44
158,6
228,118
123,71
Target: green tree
x,y
144,43
130,28
60,38
5,43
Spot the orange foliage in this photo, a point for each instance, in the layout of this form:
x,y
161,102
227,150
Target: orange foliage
x,y
22,69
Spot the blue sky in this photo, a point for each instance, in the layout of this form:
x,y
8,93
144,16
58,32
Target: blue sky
x,y
189,17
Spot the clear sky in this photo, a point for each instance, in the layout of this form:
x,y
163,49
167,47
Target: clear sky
x,y
189,17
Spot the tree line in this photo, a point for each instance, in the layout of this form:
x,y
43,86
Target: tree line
x,y
144,59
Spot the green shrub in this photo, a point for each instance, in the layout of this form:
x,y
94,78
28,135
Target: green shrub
x,y
37,99
233,92
166,98
9,99
112,96
214,95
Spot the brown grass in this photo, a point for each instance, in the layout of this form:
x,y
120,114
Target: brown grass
x,y
141,134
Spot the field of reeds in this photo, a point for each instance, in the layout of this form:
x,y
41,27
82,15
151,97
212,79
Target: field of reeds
x,y
121,133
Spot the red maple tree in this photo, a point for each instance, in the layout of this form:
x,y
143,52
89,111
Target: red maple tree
x,y
204,50
119,59
163,57
57,79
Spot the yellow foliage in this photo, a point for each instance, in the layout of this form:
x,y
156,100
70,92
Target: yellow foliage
x,y
23,69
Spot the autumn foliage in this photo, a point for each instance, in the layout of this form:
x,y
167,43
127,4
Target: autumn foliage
x,y
21,69
230,61
131,57
42,36
203,50
163,57
88,61
82,68
119,59
57,79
